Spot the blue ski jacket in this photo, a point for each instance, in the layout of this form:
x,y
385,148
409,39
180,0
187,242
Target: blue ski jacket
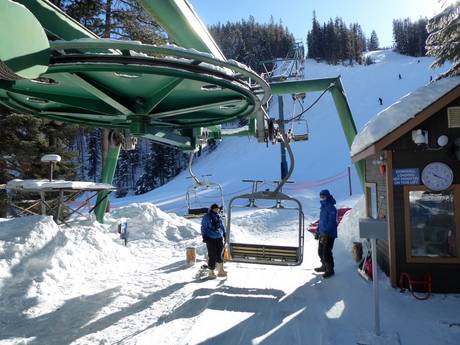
x,y
212,226
328,217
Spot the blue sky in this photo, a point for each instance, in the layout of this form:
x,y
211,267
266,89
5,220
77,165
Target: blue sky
x,y
297,14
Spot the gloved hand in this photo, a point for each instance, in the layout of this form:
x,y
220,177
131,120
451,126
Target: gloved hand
x,y
205,239
225,238
316,236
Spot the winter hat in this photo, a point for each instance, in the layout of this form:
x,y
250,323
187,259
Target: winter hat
x,y
325,193
213,206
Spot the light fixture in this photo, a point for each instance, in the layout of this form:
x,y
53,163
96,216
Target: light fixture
x,y
420,137
443,140
211,87
127,75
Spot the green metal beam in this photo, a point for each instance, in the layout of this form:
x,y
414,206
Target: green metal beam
x,y
340,100
75,102
56,21
300,86
183,25
80,80
108,172
160,95
24,48
169,138
196,108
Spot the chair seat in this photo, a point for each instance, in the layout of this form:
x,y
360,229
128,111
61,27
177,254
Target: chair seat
x,y
265,254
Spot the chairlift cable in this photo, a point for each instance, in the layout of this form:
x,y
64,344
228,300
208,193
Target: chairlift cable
x,y
298,116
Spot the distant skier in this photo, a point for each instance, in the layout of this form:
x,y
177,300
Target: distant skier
x,y
380,101
327,233
399,76
214,235
431,78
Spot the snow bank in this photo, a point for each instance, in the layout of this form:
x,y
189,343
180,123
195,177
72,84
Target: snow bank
x,y
44,264
349,227
146,221
401,111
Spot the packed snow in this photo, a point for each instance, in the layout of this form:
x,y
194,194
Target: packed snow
x,y
81,285
402,111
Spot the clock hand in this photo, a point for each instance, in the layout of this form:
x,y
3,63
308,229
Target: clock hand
x,y
443,178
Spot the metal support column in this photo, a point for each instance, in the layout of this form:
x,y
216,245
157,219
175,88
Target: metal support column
x,y
284,168
375,284
108,172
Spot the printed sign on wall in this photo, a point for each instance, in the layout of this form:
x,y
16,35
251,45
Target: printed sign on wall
x,y
406,177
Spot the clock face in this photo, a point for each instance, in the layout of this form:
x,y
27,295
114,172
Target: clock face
x,y
437,176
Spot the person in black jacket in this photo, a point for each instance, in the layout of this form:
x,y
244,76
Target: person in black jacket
x,y
214,235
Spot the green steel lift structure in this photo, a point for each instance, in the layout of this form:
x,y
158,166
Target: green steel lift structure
x,y
179,95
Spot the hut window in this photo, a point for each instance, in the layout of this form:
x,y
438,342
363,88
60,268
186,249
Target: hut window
x,y
432,224
371,200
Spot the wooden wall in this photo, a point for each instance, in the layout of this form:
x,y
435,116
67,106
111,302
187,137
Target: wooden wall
x,y
446,277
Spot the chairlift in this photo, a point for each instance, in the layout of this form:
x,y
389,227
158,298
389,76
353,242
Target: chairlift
x,y
299,130
299,126
197,187
260,253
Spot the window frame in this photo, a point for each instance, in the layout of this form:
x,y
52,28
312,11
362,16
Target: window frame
x,y
408,233
368,188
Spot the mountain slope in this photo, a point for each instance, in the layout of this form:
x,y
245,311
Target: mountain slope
x,y
317,160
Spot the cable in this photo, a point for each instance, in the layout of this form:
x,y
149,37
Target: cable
x,y
298,116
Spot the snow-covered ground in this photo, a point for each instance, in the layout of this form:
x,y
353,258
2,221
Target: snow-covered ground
x,y
81,285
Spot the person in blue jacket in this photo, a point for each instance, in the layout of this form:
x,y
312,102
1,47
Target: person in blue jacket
x,y
214,235
327,233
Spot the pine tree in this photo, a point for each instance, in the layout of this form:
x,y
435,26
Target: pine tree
x,y
122,174
336,42
373,41
148,180
444,38
250,42
409,37
94,158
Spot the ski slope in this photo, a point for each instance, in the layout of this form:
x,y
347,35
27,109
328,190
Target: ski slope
x,y
82,286
318,160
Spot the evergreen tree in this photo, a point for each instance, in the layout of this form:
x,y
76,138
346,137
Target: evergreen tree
x,y
94,158
148,180
122,174
444,38
373,41
410,37
334,42
314,42
250,42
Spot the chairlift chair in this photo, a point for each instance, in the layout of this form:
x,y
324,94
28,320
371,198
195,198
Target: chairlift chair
x,y
298,131
299,126
194,190
264,253
197,187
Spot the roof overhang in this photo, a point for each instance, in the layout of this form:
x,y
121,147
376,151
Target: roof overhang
x,y
420,117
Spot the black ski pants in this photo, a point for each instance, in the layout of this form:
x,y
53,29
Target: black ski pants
x,y
215,251
325,246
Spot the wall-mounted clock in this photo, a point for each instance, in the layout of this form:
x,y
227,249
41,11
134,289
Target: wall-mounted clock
x,y
437,176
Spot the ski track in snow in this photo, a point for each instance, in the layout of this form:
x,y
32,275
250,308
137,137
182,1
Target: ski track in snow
x,y
82,286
